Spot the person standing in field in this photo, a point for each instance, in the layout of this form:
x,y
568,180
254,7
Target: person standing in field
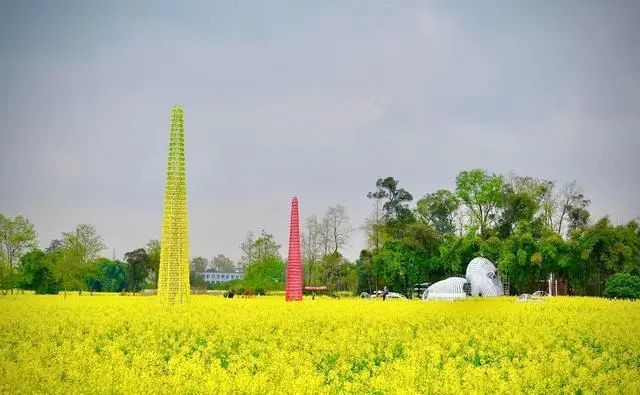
x,y
385,291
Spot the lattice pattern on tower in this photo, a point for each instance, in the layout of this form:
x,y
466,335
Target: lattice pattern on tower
x,y
294,262
173,281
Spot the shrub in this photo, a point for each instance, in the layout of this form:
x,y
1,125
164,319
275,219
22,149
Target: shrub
x,y
237,289
36,273
623,286
224,286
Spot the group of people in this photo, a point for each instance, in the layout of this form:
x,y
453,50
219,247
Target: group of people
x,y
383,293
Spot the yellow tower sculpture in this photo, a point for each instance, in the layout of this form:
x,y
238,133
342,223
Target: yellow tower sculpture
x,y
173,281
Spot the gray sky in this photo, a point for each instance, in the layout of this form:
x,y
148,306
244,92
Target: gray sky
x,y
315,100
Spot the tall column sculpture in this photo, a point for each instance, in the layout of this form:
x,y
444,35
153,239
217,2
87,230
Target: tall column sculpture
x,y
173,281
294,263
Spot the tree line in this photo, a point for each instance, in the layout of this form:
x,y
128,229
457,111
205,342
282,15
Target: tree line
x,y
71,263
531,228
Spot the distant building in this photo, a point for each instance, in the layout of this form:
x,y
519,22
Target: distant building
x,y
221,277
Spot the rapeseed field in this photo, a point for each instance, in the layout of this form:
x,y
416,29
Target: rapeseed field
x,y
132,344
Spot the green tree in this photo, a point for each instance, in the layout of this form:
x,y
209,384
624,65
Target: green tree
x,y
68,273
516,206
557,255
527,257
365,272
398,266
137,268
397,199
329,270
623,286
265,274
36,273
521,258
411,259
604,249
424,241
258,249
440,210
348,280
108,276
579,216
456,252
153,251
337,273
80,248
481,192
17,236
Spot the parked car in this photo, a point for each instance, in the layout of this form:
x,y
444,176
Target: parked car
x,y
418,289
390,295
528,298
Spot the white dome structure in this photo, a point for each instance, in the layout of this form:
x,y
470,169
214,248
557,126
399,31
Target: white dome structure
x,y
447,289
483,277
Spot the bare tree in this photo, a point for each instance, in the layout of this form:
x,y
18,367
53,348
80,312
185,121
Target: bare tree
x,y
312,236
83,245
324,237
313,246
222,263
549,205
571,203
255,249
199,264
374,222
338,227
370,230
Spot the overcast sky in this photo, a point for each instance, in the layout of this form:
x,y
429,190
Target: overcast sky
x,y
314,99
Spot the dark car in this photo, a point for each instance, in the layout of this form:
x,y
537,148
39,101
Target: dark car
x,y
419,289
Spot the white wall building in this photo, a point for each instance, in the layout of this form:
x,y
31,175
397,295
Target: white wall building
x,y
220,277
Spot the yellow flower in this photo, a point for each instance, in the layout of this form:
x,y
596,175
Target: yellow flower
x,y
120,344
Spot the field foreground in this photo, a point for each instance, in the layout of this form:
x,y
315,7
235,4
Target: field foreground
x,y
119,344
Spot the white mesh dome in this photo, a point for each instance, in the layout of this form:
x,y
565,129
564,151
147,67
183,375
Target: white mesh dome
x,y
483,277
447,289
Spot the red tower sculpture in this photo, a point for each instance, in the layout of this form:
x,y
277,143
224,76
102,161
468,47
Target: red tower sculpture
x,y
294,263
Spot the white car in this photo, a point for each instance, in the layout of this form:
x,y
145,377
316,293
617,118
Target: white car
x,y
528,298
390,295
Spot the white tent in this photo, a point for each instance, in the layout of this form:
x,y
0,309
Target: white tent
x,y
447,289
